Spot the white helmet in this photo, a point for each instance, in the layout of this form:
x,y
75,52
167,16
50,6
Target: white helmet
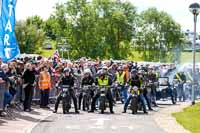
x,y
105,67
87,71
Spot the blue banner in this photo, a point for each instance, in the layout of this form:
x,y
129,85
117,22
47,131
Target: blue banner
x,y
9,48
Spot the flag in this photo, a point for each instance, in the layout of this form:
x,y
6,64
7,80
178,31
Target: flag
x,y
56,58
56,55
9,48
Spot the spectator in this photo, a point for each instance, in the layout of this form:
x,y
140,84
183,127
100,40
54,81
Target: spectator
x,y
3,80
45,86
29,79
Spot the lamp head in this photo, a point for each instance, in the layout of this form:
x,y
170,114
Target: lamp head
x,y
194,8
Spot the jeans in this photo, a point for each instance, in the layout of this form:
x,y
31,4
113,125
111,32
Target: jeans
x,y
124,93
7,98
141,99
181,93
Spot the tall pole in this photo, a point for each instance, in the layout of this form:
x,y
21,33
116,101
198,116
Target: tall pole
x,y
194,51
68,54
62,50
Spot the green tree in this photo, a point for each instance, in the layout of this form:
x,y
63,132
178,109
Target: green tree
x,y
30,38
159,32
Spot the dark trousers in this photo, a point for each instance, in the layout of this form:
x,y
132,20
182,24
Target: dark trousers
x,y
108,96
44,99
59,97
28,90
91,93
2,94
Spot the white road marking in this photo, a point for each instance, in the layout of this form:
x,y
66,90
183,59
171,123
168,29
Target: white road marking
x,y
113,127
73,127
130,128
100,121
96,127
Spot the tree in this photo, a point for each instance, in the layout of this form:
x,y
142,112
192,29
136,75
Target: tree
x,y
99,28
159,32
30,38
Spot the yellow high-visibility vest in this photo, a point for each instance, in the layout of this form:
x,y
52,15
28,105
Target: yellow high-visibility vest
x,y
103,82
178,77
120,78
190,77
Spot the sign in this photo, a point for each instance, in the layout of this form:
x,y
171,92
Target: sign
x,y
9,48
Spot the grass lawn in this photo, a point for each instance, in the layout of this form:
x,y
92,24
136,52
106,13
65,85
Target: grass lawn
x,y
46,52
186,57
190,118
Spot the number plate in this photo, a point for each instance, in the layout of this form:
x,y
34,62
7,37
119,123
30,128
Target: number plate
x,y
65,89
102,94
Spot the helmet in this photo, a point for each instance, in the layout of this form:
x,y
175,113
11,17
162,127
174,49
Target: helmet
x,y
105,67
101,73
87,71
150,67
133,71
66,70
120,69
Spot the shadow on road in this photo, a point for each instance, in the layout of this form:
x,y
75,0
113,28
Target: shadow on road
x,y
15,114
2,122
46,121
167,104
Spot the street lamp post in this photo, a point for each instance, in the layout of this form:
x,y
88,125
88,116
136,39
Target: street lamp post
x,y
195,9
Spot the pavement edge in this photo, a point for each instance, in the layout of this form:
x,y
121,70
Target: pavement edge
x,y
167,122
29,128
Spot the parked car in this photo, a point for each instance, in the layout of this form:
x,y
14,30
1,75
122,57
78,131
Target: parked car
x,y
47,46
165,91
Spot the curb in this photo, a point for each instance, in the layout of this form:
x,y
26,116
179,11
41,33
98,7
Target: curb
x,y
167,122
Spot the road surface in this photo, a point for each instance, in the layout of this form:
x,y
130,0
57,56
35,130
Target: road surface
x,y
100,123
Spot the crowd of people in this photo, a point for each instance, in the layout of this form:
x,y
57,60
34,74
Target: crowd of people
x,y
20,79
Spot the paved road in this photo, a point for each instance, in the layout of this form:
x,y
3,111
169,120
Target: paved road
x,y
99,123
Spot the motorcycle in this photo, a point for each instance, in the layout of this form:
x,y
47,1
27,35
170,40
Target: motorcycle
x,y
102,98
134,102
117,91
66,99
87,98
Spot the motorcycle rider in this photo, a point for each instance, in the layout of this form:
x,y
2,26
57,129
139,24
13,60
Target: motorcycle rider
x,y
87,80
141,75
67,79
103,79
135,81
151,76
182,80
121,80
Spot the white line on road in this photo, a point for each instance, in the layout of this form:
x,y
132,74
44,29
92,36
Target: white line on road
x,y
96,127
113,127
129,127
100,121
73,127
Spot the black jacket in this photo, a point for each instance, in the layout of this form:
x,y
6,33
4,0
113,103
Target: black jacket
x,y
29,77
68,80
87,81
135,81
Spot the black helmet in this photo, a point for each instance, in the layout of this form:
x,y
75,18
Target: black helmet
x,y
133,71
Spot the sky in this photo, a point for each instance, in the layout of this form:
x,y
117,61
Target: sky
x,y
178,9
